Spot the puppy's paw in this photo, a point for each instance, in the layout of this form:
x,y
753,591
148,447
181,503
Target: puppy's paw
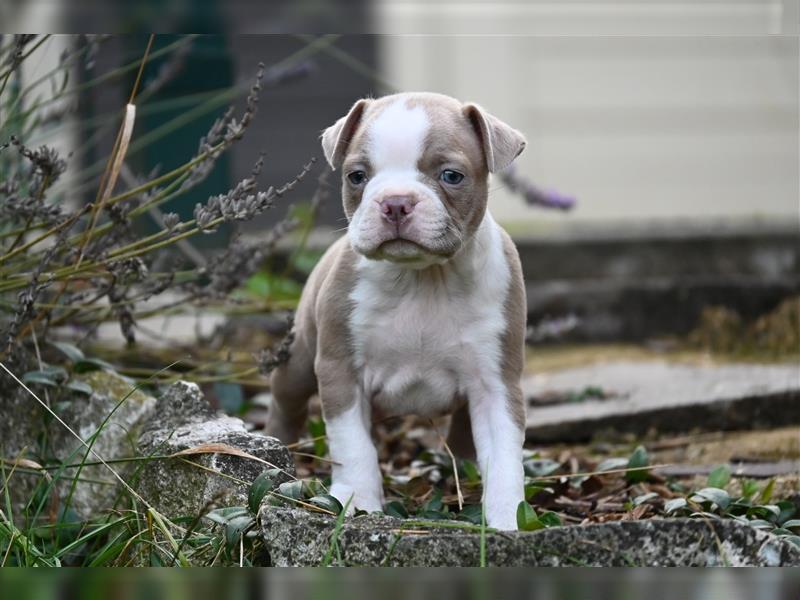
x,y
502,515
277,427
358,499
502,522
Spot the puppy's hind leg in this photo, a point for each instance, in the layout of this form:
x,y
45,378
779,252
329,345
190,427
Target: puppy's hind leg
x,y
459,437
292,383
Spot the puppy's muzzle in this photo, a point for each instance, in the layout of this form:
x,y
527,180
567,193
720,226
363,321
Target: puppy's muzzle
x,y
396,210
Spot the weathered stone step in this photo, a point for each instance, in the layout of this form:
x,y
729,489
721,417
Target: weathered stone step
x,y
296,537
667,397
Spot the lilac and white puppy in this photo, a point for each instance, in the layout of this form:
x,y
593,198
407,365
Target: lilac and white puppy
x,y
420,308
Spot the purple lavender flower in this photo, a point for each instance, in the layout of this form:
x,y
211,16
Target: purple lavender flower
x,y
534,195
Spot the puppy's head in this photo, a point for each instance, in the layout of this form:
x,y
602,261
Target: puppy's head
x,y
415,172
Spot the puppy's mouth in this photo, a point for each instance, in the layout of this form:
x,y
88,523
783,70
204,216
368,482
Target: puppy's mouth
x,y
401,249
406,247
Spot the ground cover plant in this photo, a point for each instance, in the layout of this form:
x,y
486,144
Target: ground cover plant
x,y
67,266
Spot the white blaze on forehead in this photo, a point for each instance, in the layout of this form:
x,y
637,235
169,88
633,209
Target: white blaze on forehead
x,y
397,135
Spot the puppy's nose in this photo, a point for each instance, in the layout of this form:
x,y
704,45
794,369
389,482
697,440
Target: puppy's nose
x,y
395,209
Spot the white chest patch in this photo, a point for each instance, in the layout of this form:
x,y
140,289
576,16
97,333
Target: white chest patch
x,y
419,335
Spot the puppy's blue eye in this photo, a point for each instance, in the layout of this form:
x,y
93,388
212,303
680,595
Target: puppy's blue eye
x,y
451,177
357,177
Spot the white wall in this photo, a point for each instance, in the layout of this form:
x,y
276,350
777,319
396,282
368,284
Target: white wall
x,y
678,110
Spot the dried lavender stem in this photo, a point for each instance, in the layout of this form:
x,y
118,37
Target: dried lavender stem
x,y
60,274
99,79
55,229
124,196
18,61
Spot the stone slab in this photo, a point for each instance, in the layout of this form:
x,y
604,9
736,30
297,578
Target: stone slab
x,y
296,537
753,470
187,485
664,396
25,425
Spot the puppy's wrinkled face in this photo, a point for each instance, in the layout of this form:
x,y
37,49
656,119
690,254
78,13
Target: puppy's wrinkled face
x,y
414,173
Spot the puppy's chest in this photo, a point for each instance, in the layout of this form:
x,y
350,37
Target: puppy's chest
x,y
414,350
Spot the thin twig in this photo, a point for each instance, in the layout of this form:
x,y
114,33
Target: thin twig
x,y
609,472
455,466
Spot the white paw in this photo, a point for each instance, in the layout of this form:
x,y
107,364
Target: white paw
x,y
502,515
358,499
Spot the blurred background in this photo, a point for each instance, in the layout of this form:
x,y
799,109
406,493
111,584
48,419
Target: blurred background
x,y
675,126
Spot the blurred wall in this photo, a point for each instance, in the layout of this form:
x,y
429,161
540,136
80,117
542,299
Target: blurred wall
x,y
666,110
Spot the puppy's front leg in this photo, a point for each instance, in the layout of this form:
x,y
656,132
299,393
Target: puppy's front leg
x,y
498,437
355,472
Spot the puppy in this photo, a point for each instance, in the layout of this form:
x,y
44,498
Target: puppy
x,y
420,308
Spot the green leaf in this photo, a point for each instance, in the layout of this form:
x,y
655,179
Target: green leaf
x,y
749,488
675,504
588,393
291,489
593,391
644,498
471,471
435,503
223,515
794,539
471,513
85,365
303,212
40,377
532,489
766,494
327,502
792,524
268,285
334,539
395,509
73,353
540,467
770,512
637,460
316,427
706,515
526,518
236,527
739,507
260,487
306,260
612,464
550,519
760,524
713,495
719,477
80,386
433,515
787,510
274,500
60,373
314,487
438,458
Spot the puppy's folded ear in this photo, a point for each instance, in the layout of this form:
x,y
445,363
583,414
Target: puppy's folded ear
x,y
501,142
336,138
